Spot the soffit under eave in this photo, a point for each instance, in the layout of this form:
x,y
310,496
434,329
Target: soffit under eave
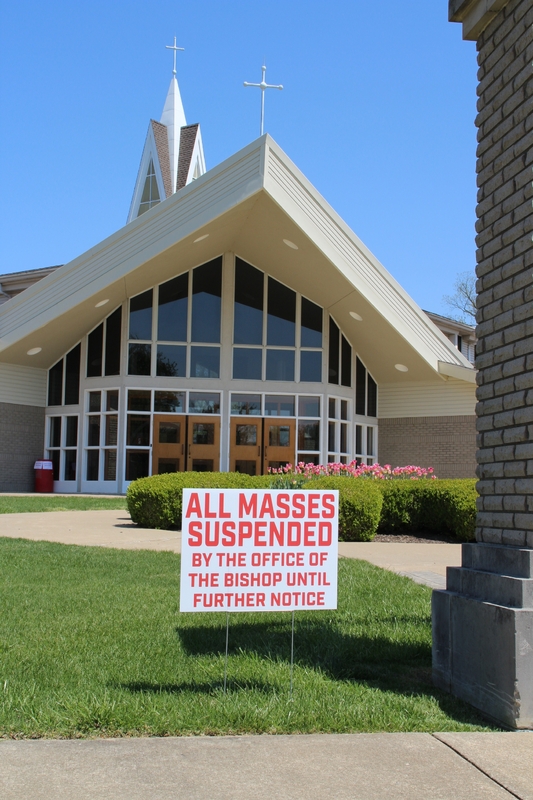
x,y
227,190
291,190
308,271
71,321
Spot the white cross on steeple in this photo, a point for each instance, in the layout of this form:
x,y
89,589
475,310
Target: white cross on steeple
x,y
263,85
173,47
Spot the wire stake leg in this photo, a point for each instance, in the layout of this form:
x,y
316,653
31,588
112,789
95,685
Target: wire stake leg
x,y
226,659
292,652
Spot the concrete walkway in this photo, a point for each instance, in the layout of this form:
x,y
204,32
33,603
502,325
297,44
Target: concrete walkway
x,y
395,766
424,563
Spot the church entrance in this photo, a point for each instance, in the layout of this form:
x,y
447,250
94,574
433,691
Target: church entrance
x,y
279,443
168,449
257,444
203,444
246,446
185,443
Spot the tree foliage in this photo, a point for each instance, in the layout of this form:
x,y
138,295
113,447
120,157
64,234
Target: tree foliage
x,y
462,303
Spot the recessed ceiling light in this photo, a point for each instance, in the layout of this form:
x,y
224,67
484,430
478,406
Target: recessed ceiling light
x,y
34,351
401,368
356,316
201,238
290,244
102,303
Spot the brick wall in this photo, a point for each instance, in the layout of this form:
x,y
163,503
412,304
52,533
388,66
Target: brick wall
x,y
505,282
21,444
448,444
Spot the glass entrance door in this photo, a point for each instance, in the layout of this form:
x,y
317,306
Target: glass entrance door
x,y
279,443
203,450
168,449
245,445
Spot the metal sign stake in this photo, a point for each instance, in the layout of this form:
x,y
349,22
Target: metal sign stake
x,y
226,659
292,651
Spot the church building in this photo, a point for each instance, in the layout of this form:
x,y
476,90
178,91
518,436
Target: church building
x,y
234,323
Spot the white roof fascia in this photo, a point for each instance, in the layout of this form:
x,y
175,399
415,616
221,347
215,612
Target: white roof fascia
x,y
149,152
173,117
197,156
455,371
26,277
224,187
291,190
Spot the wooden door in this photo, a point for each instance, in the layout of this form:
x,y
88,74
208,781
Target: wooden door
x,y
245,445
203,448
279,445
168,448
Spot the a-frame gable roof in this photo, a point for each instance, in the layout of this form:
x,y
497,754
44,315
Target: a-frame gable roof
x,y
250,204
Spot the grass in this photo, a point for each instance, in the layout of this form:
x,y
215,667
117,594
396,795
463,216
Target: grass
x,y
92,644
13,504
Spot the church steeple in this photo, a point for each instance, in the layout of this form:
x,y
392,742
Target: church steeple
x,y
173,117
173,154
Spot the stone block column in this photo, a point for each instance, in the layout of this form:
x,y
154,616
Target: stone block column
x,y
483,621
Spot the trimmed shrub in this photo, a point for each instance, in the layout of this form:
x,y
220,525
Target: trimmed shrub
x,y
435,506
360,504
156,502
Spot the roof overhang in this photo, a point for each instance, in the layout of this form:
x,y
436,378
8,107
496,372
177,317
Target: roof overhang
x,y
474,14
249,205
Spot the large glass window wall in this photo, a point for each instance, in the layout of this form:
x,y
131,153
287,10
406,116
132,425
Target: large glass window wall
x,y
104,347
64,380
101,436
174,329
366,392
62,446
277,333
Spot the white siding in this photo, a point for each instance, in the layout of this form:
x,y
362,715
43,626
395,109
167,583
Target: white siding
x,y
451,398
24,386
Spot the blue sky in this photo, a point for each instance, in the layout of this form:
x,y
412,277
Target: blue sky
x,y
378,112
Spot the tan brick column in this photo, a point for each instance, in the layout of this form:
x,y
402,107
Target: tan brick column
x,y
483,621
505,281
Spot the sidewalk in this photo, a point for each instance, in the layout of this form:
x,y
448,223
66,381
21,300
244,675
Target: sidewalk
x,y
395,766
424,563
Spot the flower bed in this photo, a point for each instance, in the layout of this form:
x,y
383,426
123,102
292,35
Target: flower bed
x,y
355,470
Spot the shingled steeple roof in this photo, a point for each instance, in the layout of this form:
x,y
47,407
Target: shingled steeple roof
x,y
173,155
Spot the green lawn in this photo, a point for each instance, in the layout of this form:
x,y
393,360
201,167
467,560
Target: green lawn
x,y
92,644
11,504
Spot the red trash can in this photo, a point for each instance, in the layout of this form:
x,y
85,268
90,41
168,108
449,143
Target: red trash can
x,y
44,476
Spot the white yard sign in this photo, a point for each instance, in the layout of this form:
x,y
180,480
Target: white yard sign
x,y
259,550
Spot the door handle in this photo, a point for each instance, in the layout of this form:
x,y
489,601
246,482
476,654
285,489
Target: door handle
x,y
182,449
258,451
189,450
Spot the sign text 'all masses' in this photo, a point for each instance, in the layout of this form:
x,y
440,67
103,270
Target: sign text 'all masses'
x,y
259,550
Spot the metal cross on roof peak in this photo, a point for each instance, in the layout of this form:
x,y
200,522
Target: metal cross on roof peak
x,y
263,85
173,47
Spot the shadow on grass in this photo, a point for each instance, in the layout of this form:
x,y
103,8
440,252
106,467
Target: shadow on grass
x,y
318,645
376,661
212,687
